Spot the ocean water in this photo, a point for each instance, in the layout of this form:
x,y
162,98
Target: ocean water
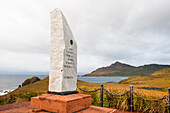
x,y
101,79
11,82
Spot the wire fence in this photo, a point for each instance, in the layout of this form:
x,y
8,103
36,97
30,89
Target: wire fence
x,y
131,96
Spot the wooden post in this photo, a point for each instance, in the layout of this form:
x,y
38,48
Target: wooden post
x,y
169,99
131,98
101,96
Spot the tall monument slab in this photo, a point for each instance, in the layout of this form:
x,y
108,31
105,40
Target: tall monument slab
x,y
63,55
63,72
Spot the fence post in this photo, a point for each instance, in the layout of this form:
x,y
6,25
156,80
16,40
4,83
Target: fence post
x,y
131,98
169,99
101,96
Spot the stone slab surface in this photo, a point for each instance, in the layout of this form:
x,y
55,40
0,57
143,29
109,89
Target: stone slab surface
x,y
61,104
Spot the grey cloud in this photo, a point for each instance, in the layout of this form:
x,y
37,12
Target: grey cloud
x,y
134,32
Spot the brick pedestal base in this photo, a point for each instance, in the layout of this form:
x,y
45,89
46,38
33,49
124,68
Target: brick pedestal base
x,y
61,104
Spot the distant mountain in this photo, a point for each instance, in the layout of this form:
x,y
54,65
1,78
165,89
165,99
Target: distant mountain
x,y
121,69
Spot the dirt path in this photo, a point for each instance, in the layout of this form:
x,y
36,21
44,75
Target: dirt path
x,y
14,106
24,107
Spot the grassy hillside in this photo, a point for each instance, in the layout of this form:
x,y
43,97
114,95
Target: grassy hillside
x,y
159,79
26,92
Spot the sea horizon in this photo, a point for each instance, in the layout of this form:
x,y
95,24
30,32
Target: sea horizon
x,y
11,82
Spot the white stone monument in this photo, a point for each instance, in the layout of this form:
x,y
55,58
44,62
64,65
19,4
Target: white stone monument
x,y
63,56
63,72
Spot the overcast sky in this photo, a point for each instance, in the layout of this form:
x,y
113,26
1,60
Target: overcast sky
x,y
136,32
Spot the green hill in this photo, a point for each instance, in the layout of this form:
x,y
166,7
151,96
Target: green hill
x,y
121,69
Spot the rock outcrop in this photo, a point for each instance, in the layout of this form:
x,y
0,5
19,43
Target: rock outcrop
x,y
30,80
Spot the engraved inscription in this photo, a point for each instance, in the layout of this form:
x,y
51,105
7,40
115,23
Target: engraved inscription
x,y
69,63
69,58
